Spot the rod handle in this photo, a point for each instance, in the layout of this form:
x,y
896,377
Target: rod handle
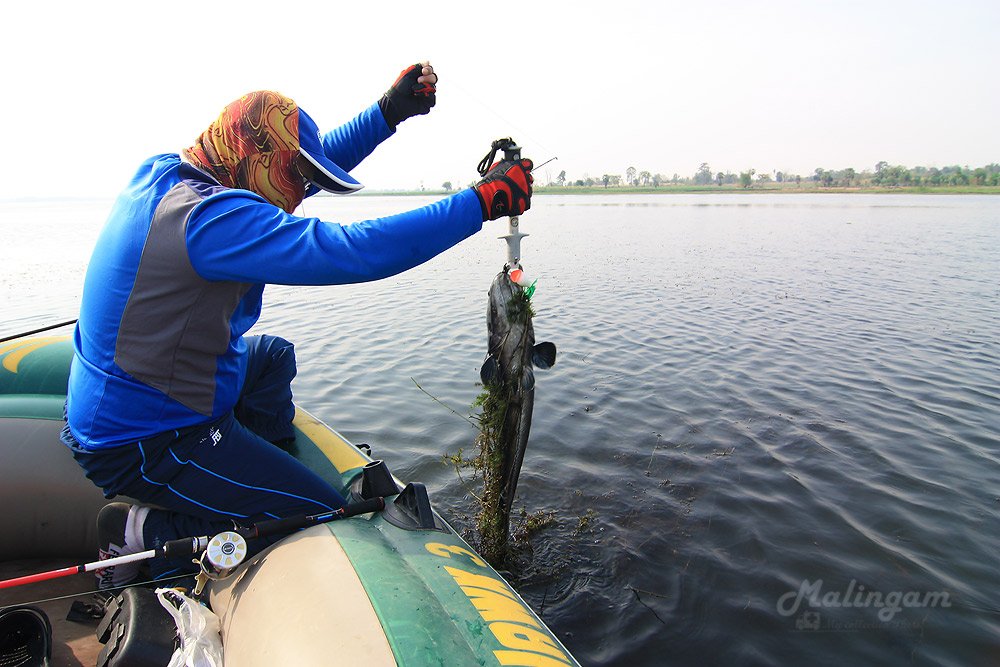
x,y
293,523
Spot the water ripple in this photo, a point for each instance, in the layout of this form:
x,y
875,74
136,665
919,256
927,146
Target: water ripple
x,y
752,393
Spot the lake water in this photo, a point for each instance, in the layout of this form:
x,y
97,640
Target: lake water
x,y
761,402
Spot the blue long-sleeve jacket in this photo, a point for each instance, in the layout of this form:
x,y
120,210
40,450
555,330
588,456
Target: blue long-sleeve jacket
x,y
178,274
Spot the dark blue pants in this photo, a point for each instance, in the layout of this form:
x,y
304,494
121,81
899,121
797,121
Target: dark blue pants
x,y
207,477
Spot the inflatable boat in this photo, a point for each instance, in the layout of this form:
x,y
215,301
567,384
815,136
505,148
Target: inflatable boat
x,y
395,587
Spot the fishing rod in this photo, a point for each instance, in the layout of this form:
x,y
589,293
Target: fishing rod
x,y
538,166
225,550
34,331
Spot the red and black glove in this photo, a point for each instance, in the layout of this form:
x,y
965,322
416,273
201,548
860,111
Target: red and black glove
x,y
407,98
506,189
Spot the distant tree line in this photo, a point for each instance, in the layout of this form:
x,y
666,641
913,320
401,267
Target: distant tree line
x,y
884,175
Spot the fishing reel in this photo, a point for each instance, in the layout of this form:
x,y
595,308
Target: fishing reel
x,y
223,554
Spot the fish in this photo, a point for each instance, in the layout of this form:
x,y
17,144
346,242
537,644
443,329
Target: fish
x,y
508,375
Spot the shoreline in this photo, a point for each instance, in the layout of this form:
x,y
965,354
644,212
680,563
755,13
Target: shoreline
x,y
714,189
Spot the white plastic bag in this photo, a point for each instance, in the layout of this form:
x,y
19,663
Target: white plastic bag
x,y
198,628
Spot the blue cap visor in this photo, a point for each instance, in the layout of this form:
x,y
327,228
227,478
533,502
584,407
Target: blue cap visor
x,y
328,175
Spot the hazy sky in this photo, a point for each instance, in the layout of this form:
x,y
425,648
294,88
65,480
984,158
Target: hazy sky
x,y
93,88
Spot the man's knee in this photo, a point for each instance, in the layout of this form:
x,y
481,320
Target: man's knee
x,y
273,352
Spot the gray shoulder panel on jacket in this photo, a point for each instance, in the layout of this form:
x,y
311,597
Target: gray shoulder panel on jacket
x,y
176,323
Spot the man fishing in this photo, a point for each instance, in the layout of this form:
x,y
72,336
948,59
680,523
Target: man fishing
x,y
168,401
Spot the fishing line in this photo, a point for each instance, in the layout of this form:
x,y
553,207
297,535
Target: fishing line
x,y
103,590
513,125
442,403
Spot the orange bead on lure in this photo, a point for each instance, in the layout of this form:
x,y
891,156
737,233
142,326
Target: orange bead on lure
x,y
519,277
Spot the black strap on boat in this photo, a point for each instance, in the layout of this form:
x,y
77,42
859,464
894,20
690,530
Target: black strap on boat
x,y
33,332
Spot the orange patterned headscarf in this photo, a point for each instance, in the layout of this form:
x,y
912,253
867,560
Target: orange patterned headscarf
x,y
253,145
